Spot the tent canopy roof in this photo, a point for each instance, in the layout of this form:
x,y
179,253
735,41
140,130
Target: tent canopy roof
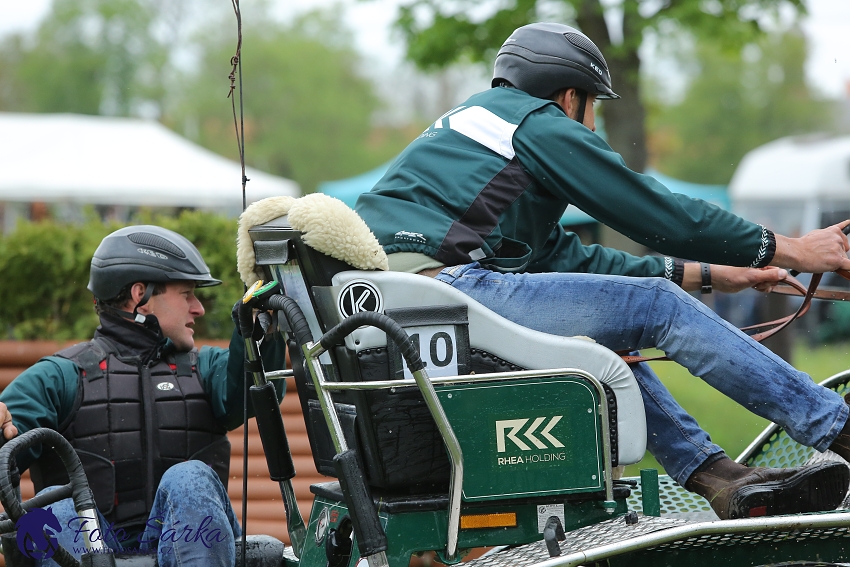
x,y
794,168
119,161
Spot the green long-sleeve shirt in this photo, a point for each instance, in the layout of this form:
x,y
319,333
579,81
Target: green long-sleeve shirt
x,y
490,180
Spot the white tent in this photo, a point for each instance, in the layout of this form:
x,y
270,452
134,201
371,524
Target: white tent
x,y
68,158
793,185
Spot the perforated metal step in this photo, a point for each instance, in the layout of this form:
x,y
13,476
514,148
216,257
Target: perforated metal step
x,y
604,533
674,499
699,541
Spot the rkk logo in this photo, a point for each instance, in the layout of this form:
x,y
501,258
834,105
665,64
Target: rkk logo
x,y
515,425
35,540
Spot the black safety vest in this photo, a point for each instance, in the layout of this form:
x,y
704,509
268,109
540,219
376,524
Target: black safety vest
x,y
130,423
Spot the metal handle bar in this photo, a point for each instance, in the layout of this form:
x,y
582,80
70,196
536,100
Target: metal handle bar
x,y
410,351
79,485
77,488
394,332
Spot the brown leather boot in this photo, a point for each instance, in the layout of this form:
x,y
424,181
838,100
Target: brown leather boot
x,y
737,491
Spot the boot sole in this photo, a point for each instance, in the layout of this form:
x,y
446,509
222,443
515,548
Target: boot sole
x,y
817,488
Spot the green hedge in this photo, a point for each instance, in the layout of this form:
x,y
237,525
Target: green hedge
x,y
44,268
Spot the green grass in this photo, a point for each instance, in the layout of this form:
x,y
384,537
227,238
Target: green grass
x,y
730,425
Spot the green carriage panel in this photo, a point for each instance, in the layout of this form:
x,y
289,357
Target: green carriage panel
x,y
527,437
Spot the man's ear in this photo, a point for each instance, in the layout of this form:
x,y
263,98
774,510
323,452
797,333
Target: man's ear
x,y
567,101
137,292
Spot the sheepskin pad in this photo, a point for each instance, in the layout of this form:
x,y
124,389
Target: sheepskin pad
x,y
327,225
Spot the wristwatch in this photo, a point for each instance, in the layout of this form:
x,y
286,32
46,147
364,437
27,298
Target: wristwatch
x,y
705,271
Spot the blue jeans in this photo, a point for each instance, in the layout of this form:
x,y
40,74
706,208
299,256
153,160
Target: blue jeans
x,y
191,523
625,313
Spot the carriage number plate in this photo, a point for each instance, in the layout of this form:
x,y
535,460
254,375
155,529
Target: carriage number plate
x,y
438,348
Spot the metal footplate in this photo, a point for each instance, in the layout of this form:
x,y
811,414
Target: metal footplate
x,y
607,532
673,541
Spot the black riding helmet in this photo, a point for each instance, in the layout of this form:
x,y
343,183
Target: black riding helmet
x,y
147,254
544,58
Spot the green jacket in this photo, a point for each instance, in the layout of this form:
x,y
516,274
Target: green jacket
x,y
45,393
490,180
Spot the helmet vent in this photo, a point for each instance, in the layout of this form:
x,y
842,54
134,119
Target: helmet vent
x,y
154,241
585,44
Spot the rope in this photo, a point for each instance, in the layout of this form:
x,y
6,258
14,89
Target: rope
x,y
239,126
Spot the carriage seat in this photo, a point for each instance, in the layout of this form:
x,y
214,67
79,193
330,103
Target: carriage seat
x,y
318,248
520,346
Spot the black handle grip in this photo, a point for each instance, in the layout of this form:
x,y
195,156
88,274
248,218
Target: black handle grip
x,y
368,531
246,319
80,492
294,316
409,350
272,432
38,501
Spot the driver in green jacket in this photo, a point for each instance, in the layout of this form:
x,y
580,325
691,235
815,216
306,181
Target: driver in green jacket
x,y
475,202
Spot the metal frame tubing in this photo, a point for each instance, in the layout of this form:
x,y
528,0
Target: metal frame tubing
x,y
279,374
312,351
455,455
93,546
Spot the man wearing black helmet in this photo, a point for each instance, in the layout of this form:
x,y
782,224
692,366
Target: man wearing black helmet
x,y
147,412
475,202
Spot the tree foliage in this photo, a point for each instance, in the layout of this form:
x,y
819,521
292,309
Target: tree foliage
x,y
87,57
440,32
46,270
738,100
308,112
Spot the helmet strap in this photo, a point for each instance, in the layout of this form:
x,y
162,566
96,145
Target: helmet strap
x,y
135,315
582,105
138,317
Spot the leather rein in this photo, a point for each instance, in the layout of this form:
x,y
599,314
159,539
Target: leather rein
x,y
788,286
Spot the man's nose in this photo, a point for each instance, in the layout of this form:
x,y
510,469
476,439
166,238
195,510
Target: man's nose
x,y
197,308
